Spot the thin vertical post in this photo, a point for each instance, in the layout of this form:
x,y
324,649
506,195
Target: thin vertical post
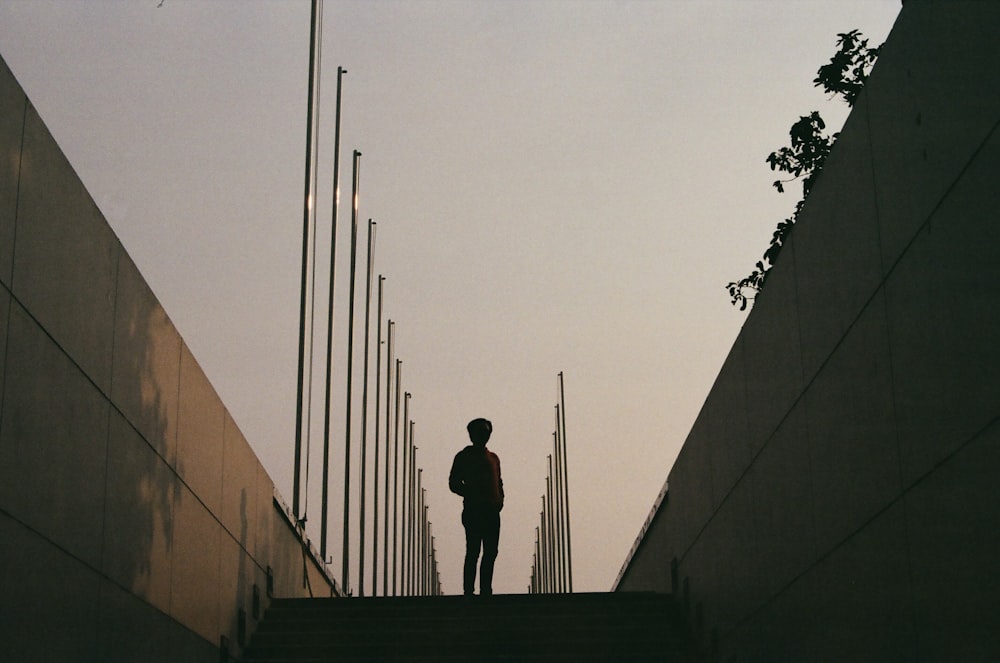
x,y
378,419
552,535
395,483
560,504
545,550
402,492
411,513
569,542
419,542
415,532
552,539
420,538
306,227
538,557
329,319
425,526
557,527
388,413
429,562
364,408
350,373
417,473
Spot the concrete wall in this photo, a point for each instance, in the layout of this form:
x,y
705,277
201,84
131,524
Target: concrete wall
x,y
836,497
135,520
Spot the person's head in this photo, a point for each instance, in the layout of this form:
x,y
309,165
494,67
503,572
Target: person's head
x,y
479,431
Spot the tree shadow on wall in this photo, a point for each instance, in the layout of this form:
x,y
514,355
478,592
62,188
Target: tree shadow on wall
x,y
142,485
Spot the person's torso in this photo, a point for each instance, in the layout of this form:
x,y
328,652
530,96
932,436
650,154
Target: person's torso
x,y
481,474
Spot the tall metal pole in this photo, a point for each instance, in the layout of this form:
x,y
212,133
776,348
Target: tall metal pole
x,y
428,548
424,537
350,373
411,513
402,492
554,473
538,556
545,550
415,532
378,419
306,227
418,535
364,408
569,542
421,512
329,319
388,413
552,538
395,483
560,505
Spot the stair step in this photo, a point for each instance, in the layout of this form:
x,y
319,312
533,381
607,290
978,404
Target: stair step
x,y
525,628
484,658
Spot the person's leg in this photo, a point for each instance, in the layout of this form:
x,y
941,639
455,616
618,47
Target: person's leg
x,y
473,541
491,545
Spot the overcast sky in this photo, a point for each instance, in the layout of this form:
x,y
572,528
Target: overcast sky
x,y
558,186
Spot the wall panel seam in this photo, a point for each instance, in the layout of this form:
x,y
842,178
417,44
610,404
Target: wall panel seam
x,y
900,498
863,309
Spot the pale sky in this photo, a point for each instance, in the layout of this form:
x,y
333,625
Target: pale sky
x,y
558,186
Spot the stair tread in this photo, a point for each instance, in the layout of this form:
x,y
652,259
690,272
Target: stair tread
x,y
571,627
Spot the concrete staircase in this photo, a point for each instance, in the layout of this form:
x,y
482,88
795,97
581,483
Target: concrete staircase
x,y
618,627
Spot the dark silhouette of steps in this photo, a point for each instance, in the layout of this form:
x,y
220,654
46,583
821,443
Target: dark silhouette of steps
x,y
619,627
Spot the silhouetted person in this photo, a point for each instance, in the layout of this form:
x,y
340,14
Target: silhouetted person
x,y
475,475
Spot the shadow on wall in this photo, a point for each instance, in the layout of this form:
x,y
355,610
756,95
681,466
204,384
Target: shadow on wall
x,y
120,535
142,445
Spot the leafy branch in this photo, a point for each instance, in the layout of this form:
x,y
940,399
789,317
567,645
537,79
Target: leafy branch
x,y
843,76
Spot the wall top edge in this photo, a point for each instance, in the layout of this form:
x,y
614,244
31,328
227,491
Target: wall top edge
x,y
653,512
298,529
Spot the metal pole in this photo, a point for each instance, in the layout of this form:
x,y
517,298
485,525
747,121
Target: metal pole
x,y
560,505
421,540
538,559
430,556
552,529
569,542
378,419
306,226
534,570
552,538
350,372
425,525
329,319
395,481
412,512
418,546
545,550
388,413
557,520
415,531
364,408
402,493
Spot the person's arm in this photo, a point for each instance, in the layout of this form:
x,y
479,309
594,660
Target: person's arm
x,y
456,480
499,482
